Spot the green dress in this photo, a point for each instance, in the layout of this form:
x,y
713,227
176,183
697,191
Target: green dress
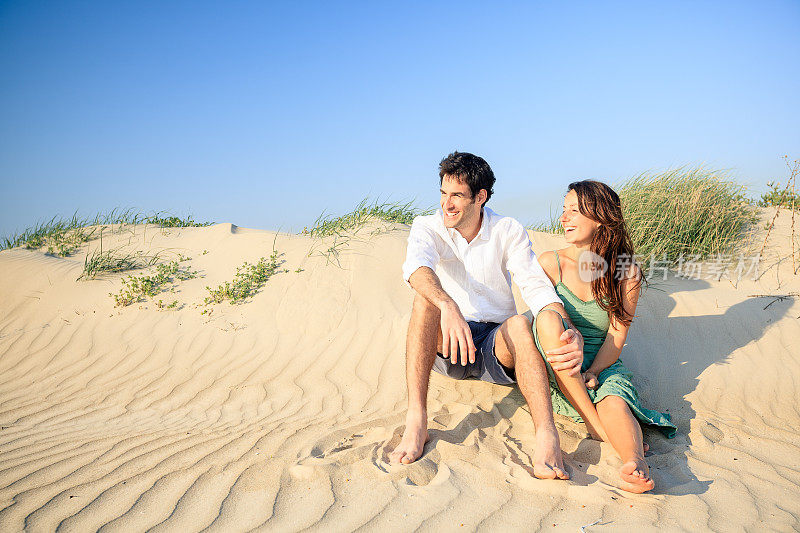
x,y
593,322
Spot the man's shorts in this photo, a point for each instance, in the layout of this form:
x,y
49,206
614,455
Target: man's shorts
x,y
486,366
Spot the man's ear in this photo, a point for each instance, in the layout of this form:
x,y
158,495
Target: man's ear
x,y
481,197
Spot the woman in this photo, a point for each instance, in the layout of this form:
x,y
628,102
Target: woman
x,y
601,303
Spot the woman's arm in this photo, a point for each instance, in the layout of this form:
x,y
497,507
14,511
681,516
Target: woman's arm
x,y
617,331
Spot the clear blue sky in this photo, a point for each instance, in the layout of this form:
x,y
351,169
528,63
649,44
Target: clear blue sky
x,y
265,114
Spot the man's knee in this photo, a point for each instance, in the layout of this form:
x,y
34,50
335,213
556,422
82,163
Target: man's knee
x,y
519,324
423,306
424,312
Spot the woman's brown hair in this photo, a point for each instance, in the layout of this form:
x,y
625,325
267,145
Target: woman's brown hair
x,y
612,242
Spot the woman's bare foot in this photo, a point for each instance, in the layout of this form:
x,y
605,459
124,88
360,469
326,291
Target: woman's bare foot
x,y
547,460
636,476
414,438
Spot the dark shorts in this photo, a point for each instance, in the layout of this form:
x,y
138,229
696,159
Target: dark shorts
x,y
486,366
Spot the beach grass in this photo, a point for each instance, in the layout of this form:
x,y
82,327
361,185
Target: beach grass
x,y
686,212
364,212
114,261
551,225
63,236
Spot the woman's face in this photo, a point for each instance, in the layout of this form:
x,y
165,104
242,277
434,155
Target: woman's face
x,y
578,229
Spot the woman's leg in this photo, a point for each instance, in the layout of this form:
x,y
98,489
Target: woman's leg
x,y
549,327
625,435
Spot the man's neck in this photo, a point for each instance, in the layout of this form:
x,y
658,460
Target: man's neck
x,y
470,234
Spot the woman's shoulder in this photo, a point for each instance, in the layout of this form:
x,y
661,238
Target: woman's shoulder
x,y
550,262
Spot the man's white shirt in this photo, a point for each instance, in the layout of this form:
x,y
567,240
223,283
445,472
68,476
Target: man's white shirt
x,y
477,275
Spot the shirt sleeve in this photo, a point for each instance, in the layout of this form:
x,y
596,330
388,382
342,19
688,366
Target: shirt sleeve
x,y
421,251
533,283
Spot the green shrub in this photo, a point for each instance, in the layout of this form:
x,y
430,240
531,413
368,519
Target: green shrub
x,y
777,196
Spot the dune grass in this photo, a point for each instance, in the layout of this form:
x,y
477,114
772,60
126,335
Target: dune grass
x,y
365,211
113,262
686,212
551,225
689,212
63,236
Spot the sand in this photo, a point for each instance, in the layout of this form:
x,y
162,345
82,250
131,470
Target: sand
x,y
278,414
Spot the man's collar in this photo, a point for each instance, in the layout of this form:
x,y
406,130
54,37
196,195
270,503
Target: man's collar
x,y
484,232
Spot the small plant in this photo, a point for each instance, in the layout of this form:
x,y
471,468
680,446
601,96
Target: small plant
x,y
248,279
138,288
175,222
161,305
298,270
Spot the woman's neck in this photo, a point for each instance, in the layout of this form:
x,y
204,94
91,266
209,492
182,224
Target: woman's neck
x,y
576,249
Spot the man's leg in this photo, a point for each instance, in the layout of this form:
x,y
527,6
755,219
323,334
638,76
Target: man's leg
x,y
515,348
421,344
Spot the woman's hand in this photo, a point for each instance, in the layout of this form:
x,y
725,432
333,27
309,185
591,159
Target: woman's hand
x,y
590,380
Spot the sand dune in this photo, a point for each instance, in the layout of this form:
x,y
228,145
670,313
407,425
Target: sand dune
x,y
278,414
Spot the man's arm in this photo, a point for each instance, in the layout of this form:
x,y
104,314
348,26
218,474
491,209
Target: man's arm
x,y
456,335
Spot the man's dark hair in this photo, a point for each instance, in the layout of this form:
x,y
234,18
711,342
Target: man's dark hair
x,y
469,169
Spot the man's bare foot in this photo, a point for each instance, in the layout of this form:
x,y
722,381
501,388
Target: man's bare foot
x,y
636,476
414,438
547,460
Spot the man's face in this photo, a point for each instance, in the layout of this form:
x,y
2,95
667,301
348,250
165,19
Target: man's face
x,y
461,210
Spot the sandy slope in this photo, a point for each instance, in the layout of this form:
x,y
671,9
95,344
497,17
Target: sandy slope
x,y
278,414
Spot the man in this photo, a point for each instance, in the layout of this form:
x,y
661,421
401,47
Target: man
x,y
464,322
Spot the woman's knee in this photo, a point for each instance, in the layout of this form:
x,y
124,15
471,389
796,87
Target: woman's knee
x,y
613,402
549,323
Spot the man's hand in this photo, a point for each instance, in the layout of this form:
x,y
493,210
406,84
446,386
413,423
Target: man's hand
x,y
570,356
456,336
590,380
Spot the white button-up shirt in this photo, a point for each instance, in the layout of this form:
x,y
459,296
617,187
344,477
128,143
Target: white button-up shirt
x,y
477,274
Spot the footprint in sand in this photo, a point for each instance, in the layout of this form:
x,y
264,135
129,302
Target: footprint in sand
x,y
346,446
712,432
